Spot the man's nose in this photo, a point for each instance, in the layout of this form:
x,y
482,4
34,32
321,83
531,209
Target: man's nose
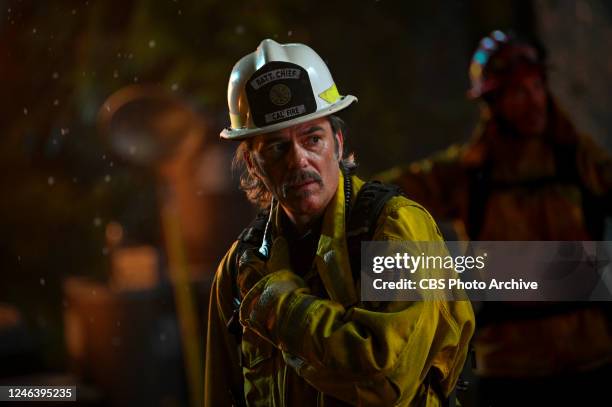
x,y
297,156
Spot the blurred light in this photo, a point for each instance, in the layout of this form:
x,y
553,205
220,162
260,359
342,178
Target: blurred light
x,y
114,233
499,36
134,268
488,43
481,57
9,315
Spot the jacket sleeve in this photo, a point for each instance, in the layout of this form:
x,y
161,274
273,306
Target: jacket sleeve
x,y
438,182
364,356
223,377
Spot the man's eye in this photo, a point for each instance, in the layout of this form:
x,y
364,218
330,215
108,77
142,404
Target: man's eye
x,y
276,148
314,139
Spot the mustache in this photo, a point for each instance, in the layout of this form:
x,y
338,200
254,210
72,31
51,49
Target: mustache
x,y
299,178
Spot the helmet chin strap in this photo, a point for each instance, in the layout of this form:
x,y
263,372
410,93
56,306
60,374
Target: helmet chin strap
x,y
264,249
348,191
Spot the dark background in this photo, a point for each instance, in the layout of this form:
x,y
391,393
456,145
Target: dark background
x,y
60,184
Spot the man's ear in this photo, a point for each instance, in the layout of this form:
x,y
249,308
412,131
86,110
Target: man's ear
x,y
339,144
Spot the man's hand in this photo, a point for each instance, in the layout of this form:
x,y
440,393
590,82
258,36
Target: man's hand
x,y
251,268
266,307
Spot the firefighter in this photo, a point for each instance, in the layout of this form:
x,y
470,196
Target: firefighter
x,y
526,174
286,323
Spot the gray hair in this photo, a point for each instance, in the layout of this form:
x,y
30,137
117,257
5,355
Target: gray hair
x,y
256,191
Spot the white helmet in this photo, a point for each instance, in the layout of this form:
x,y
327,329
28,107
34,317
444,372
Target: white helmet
x,y
278,86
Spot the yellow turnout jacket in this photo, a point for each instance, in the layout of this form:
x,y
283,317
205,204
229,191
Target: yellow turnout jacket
x,y
319,345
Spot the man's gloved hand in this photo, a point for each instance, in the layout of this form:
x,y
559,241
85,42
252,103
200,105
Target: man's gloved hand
x,y
251,268
266,307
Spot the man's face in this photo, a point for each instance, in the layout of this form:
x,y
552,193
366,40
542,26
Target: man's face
x,y
523,103
300,166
